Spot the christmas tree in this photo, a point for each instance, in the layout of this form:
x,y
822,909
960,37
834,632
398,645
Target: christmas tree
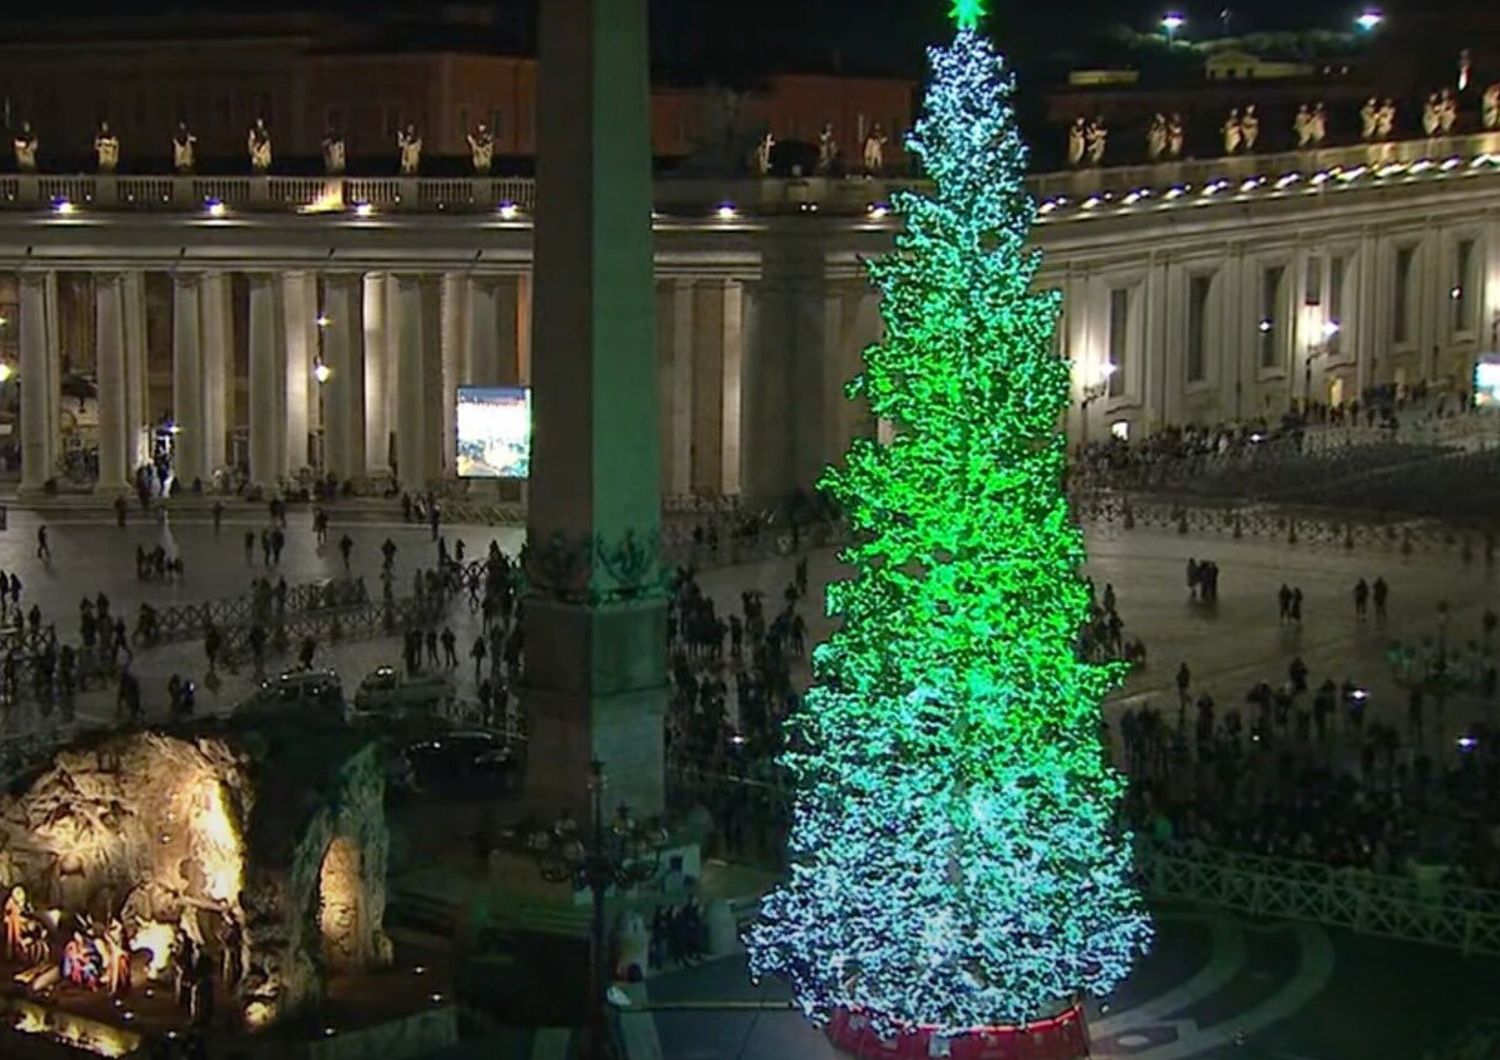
x,y
954,856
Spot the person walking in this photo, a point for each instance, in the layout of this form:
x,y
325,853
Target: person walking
x,y
1297,606
43,550
1382,593
346,549
1184,680
1284,601
1361,599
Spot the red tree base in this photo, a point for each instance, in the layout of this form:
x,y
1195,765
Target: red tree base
x,y
1060,1037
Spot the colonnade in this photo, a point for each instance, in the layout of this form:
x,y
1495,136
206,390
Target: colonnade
x,y
368,363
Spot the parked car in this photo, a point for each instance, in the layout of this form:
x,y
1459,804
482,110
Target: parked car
x,y
296,691
462,758
391,694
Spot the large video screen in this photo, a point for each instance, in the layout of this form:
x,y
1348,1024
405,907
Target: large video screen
x,y
1487,381
494,431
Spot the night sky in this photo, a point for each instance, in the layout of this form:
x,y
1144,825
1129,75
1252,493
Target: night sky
x,y
734,38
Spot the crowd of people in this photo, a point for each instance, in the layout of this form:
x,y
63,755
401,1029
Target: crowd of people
x,y
1302,771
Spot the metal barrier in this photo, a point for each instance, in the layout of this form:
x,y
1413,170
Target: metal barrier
x,y
1458,917
1292,528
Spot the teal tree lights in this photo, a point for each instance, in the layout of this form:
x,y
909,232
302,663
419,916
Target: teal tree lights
x,y
954,857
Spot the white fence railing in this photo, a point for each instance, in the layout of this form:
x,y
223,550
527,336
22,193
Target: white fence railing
x,y
1398,907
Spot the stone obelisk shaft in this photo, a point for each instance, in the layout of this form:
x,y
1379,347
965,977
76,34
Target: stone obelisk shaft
x,y
595,617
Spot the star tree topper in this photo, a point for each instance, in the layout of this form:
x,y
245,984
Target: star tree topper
x,y
967,13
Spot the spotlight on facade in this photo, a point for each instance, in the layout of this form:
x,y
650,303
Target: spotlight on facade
x,y
1264,326
323,320
509,211
1171,22
62,207
1451,164
215,207
877,210
363,209
321,372
727,212
6,372
1456,292
1331,328
1369,19
1287,180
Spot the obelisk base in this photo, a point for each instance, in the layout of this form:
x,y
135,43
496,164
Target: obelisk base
x,y
596,688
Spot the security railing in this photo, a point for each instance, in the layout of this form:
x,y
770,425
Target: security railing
x,y
1398,907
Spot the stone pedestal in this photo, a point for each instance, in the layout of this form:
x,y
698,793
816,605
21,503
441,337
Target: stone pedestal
x,y
1063,1036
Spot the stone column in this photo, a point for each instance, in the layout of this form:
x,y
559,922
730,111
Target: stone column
x,y
39,366
344,392
137,430
218,359
411,420
596,647
707,353
187,379
680,457
492,355
300,309
454,350
378,362
267,425
730,484
109,331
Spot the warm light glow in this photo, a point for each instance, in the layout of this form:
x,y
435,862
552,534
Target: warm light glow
x,y
323,320
62,207
1331,328
217,843
6,372
363,209
509,211
330,199
215,207
321,372
155,937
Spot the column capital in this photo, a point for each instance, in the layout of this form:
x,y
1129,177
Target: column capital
x,y
184,278
109,276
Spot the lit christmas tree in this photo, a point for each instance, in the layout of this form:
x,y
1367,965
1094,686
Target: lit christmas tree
x,y
955,860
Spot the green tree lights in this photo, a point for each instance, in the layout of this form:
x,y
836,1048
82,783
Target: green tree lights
x,y
954,857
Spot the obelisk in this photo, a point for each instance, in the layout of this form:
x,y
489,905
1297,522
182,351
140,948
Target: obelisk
x,y
595,611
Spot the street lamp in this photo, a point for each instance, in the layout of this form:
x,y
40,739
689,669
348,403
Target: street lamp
x,y
618,852
1369,19
1331,328
1171,22
1092,392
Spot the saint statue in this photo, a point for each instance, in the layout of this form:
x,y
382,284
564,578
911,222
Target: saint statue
x,y
1156,137
763,154
1176,136
258,144
184,149
482,148
25,144
1490,107
1076,142
1318,125
1249,127
1430,118
335,152
1447,112
828,150
1385,125
1369,119
409,142
1232,131
875,151
106,148
1095,137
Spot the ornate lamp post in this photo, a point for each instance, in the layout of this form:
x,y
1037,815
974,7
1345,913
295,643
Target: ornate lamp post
x,y
614,852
